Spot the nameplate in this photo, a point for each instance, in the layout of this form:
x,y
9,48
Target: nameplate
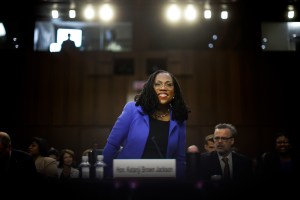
x,y
159,168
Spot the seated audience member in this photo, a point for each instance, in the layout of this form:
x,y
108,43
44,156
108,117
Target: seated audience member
x,y
281,164
68,45
15,164
66,167
46,166
209,143
53,153
224,164
192,162
193,149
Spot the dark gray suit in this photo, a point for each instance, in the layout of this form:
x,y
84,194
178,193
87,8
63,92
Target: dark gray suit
x,y
210,165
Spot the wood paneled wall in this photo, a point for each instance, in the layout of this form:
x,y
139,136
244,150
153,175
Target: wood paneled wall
x,y
73,100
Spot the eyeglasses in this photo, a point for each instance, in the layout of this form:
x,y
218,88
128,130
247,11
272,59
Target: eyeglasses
x,y
167,85
282,142
221,138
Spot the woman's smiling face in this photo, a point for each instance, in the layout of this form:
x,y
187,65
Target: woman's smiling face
x,y
164,88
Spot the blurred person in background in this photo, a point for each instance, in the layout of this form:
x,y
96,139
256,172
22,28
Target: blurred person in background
x,y
46,166
15,165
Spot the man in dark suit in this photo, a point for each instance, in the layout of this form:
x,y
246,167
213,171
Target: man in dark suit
x,y
225,173
213,168
68,45
15,165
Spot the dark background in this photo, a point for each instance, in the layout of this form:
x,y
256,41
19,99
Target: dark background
x,y
73,100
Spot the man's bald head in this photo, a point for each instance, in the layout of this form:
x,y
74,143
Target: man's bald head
x,y
193,149
5,144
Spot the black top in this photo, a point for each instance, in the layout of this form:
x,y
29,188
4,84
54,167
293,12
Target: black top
x,y
156,146
275,170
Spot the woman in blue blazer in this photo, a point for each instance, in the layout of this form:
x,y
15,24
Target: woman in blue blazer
x,y
151,126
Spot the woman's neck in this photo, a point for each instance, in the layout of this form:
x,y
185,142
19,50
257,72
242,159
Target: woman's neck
x,y
163,109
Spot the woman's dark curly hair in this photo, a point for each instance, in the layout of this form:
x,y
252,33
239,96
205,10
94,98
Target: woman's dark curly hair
x,y
43,146
148,99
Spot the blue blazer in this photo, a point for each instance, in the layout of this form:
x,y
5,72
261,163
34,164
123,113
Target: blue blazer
x,y
131,132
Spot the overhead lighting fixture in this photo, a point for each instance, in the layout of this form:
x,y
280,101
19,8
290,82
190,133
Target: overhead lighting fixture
x,y
173,13
224,14
291,12
55,14
2,30
106,12
72,11
72,14
89,12
207,14
190,12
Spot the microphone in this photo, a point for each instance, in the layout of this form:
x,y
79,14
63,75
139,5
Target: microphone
x,y
157,147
